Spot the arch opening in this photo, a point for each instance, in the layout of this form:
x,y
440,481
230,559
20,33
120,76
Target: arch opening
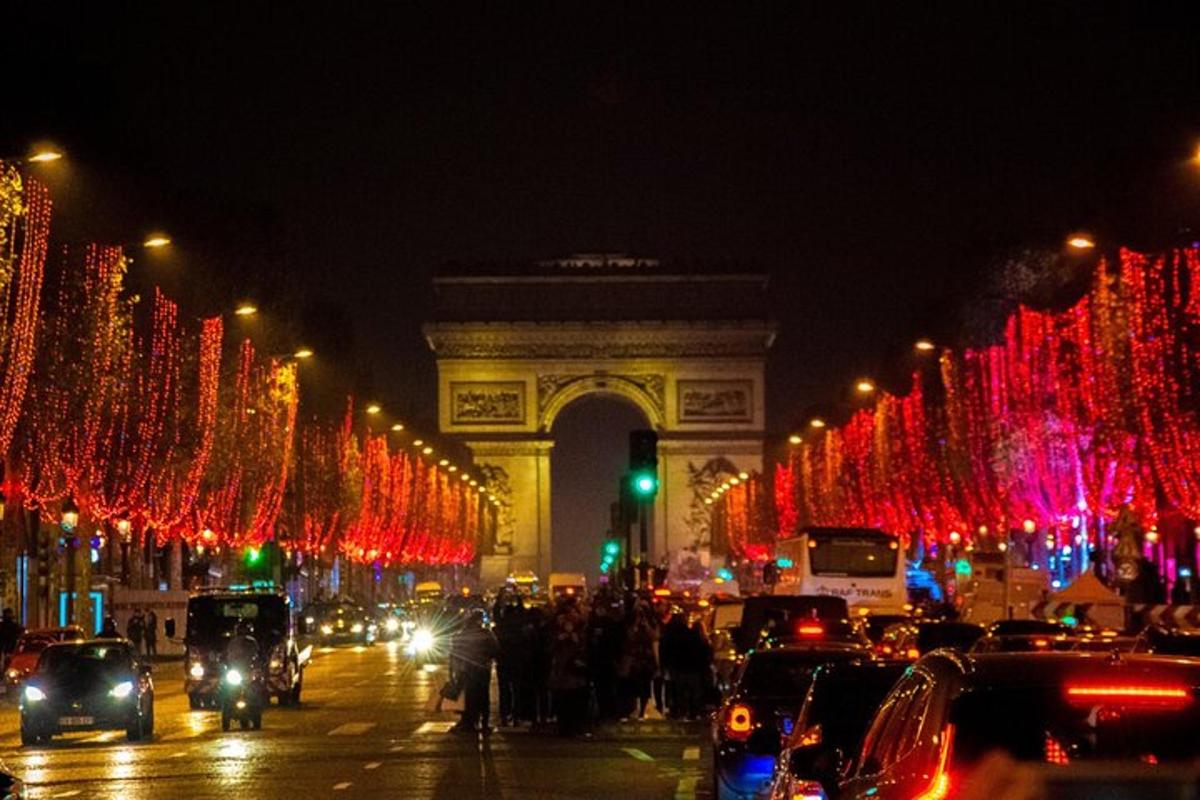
x,y
591,453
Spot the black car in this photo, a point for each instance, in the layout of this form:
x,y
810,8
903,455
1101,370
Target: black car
x,y
829,727
86,686
1168,642
213,617
942,718
764,612
746,729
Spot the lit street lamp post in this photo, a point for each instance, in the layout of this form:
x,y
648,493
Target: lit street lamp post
x,y
70,521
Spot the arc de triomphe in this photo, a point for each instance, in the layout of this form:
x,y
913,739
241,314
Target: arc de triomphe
x,y
516,344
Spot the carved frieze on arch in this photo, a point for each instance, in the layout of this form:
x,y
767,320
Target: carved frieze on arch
x,y
557,391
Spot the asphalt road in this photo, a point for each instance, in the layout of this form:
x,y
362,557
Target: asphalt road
x,y
364,730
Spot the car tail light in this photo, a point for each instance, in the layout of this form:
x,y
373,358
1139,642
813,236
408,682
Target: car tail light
x,y
913,653
1040,643
939,787
1130,695
810,629
739,722
1055,752
807,790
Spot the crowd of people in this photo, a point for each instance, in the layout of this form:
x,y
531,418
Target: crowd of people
x,y
577,661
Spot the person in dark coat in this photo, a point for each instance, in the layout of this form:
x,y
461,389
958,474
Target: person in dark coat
x,y
639,661
472,652
512,635
135,630
109,629
569,669
10,631
151,633
672,654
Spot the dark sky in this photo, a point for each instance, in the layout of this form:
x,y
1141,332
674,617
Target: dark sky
x,y
873,157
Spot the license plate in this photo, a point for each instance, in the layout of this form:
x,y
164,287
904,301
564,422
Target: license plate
x,y
75,722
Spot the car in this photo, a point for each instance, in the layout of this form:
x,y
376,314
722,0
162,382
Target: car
x,y
1104,641
97,684
29,648
213,616
344,623
874,625
1023,643
829,727
1026,627
394,622
746,737
1063,708
762,611
1168,642
808,629
911,640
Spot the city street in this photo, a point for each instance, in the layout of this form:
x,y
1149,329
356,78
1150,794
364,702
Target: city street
x,y
363,730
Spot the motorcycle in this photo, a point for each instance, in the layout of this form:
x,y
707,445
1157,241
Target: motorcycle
x,y
242,697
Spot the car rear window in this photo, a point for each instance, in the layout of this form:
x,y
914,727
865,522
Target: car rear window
x,y
781,674
959,637
844,706
1042,724
1177,646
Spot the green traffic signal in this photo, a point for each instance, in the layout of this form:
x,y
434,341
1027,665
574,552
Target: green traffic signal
x,y
645,484
612,549
253,554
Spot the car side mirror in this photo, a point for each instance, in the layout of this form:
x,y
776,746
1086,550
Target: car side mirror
x,y
169,627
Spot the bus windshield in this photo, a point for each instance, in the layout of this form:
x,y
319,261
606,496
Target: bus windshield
x,y
855,554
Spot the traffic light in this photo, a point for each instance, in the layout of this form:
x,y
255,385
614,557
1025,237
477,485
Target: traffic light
x,y
252,555
643,463
611,552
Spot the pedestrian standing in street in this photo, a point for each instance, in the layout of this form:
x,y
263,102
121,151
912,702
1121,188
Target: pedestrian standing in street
x,y
512,635
639,661
535,666
672,654
151,633
10,631
136,629
472,651
569,669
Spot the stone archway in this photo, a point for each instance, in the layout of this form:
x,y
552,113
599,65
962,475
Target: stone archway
x,y
517,345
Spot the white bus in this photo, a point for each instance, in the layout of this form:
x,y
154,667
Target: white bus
x,y
862,565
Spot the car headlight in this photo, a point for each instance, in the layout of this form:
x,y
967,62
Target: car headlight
x,y
121,690
233,677
422,640
196,671
33,694
309,620
392,625
356,627
14,674
327,629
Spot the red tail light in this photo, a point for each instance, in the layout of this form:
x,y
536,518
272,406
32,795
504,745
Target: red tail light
x,y
939,787
810,629
739,722
1055,752
1130,695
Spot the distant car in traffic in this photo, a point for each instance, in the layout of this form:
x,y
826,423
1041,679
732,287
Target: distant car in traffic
x,y
83,686
1168,642
763,611
1104,642
343,623
29,648
911,640
746,729
827,734
951,710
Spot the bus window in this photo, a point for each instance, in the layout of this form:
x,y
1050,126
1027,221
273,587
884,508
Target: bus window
x,y
862,557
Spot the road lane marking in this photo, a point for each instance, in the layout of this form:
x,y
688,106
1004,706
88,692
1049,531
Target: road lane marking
x,y
352,729
337,787
640,755
69,793
686,788
435,727
691,754
373,765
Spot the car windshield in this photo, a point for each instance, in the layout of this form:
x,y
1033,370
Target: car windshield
x,y
1040,724
212,620
785,674
86,658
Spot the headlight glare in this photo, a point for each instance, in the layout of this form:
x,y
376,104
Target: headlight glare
x,y
33,694
121,690
392,625
196,671
422,640
327,629
233,677
356,628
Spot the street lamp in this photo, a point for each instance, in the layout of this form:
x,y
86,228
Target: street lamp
x,y
44,155
156,241
1081,241
374,408
246,310
70,514
397,427
795,439
864,386
924,346
303,353
816,422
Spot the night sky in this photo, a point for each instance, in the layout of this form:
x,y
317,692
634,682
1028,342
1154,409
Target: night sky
x,y
873,158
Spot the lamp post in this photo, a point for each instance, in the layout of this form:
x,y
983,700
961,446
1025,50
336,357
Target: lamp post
x,y
70,520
